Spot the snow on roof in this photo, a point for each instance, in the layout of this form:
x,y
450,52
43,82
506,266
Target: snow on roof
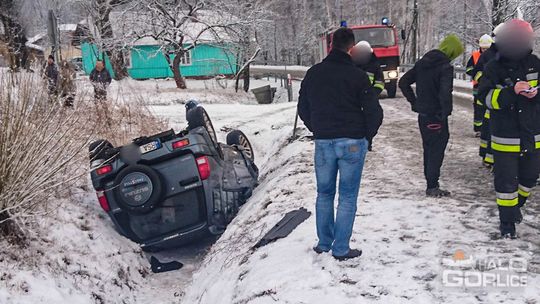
x,y
70,27
131,25
36,38
34,46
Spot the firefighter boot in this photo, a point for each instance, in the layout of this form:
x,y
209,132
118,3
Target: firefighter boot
x,y
521,204
508,217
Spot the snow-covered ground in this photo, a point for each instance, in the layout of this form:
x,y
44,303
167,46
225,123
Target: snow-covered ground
x,y
405,236
79,258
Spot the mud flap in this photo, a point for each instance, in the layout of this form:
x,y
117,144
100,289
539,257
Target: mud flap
x,y
284,227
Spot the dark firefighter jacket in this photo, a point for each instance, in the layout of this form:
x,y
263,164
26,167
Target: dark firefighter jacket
x,y
375,73
434,78
515,119
486,57
337,101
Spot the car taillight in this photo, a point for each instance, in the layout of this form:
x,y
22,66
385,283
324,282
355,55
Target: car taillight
x,y
179,144
104,170
103,201
204,167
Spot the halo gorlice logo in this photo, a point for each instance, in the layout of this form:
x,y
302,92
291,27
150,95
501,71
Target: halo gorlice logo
x,y
463,269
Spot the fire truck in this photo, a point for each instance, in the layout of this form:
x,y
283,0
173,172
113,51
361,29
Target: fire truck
x,y
384,41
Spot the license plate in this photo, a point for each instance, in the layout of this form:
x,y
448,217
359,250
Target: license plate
x,y
151,146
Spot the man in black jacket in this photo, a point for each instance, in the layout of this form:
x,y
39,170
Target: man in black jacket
x,y
338,104
509,88
434,78
51,75
100,79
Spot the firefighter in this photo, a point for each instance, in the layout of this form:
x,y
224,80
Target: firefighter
x,y
434,78
479,110
485,132
509,89
364,58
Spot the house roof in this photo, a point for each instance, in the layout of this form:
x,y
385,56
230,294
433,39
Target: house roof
x,y
33,42
137,28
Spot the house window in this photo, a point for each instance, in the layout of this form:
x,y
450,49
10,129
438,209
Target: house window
x,y
186,58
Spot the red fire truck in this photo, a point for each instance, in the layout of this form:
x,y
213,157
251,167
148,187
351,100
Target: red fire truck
x,y
384,41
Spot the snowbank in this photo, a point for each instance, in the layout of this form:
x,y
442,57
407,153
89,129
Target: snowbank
x,y
75,258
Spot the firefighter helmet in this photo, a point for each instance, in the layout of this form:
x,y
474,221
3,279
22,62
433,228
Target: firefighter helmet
x,y
497,29
485,41
363,46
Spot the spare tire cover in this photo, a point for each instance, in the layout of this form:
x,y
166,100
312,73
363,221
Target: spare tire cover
x,y
138,189
135,189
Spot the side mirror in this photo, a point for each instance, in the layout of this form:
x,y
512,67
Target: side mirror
x,y
403,34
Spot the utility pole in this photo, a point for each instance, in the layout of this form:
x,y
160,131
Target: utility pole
x,y
415,31
54,36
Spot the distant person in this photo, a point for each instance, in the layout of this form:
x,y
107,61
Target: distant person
x,y
67,86
339,106
364,58
434,78
51,75
100,79
484,44
509,88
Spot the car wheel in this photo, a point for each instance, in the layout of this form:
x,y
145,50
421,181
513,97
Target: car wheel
x,y
198,117
98,148
138,189
391,89
238,138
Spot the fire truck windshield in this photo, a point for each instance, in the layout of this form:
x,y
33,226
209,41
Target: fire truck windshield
x,y
377,37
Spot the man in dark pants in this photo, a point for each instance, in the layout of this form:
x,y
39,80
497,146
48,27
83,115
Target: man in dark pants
x,y
100,79
509,88
337,103
434,78
51,75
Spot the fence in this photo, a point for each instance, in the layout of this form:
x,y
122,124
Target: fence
x,y
298,72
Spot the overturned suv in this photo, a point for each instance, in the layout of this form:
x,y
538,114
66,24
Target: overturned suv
x,y
172,188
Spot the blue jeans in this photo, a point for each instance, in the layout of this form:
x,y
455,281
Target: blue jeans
x,y
345,156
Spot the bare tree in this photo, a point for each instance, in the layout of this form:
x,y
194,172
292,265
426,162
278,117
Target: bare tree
x,y
178,26
99,12
14,34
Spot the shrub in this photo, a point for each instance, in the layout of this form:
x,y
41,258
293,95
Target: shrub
x,y
43,146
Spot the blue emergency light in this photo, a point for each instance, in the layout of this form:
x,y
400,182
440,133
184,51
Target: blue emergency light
x,y
385,21
343,23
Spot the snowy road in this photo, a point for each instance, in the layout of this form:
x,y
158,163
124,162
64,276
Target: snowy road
x,y
403,234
